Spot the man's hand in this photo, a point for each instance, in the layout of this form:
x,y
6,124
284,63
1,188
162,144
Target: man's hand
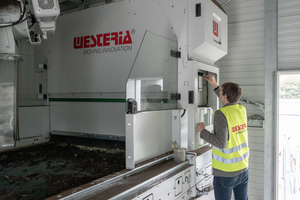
x,y
201,127
212,80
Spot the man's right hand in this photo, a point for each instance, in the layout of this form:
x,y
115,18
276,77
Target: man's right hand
x,y
212,80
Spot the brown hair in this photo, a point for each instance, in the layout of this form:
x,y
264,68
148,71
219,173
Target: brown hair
x,y
233,92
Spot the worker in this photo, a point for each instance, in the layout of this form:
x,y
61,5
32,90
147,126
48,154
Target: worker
x,y
230,151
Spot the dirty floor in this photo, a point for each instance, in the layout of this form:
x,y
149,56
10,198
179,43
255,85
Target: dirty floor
x,y
45,170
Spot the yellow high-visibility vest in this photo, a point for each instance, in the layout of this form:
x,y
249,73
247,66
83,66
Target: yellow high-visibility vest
x,y
234,156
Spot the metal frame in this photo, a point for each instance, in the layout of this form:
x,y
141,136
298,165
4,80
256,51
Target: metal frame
x,y
194,141
271,63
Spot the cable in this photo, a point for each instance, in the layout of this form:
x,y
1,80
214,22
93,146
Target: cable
x,y
20,18
206,94
206,97
17,23
23,13
183,113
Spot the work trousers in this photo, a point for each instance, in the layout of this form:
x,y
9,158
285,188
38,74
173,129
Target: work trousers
x,y
223,187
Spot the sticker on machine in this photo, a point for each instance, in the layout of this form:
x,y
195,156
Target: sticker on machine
x,y
216,32
215,28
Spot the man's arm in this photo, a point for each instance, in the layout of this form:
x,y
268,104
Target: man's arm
x,y
212,80
217,90
220,136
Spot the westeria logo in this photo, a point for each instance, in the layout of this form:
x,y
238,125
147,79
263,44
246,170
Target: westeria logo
x,y
114,41
239,128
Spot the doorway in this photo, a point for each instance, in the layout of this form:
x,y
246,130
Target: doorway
x,y
288,145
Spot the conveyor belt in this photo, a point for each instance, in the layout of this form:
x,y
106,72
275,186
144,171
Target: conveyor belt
x,y
126,183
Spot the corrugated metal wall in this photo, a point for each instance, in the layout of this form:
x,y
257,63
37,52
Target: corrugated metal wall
x,y
244,65
288,34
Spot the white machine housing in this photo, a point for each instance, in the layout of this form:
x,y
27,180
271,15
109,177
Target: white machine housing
x,y
71,91
89,60
207,32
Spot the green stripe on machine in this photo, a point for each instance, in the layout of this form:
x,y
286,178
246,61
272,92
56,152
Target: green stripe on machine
x,y
87,100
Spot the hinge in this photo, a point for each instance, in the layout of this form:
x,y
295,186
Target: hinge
x,y
131,106
176,96
176,54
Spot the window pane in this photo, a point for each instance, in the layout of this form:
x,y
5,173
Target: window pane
x,y
289,136
153,77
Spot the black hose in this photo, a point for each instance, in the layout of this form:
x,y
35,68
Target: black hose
x,y
206,97
20,18
183,113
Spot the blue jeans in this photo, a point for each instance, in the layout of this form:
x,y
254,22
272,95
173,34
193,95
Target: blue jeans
x,y
223,187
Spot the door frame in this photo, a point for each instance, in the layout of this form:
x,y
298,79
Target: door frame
x,y
279,72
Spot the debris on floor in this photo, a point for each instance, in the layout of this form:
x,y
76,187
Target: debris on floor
x,y
45,170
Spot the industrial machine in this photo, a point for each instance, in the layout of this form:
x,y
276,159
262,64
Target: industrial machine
x,y
133,71
24,20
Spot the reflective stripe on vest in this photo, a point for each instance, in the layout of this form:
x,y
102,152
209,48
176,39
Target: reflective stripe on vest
x,y
233,160
233,149
234,156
